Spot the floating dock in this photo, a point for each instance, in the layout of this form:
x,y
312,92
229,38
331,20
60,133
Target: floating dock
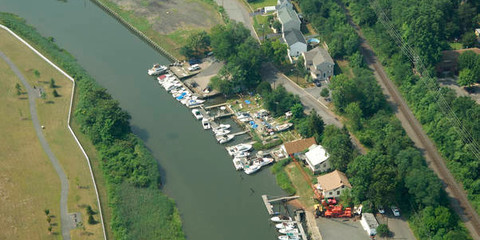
x,y
268,202
298,219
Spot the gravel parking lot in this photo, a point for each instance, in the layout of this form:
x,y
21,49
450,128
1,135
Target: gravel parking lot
x,y
341,229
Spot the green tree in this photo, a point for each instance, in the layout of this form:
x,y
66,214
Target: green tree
x,y
91,220
468,59
52,83
264,88
55,93
50,229
354,115
19,89
346,198
466,78
424,185
325,92
297,111
469,39
36,73
277,26
280,52
338,145
43,95
383,231
90,210
47,211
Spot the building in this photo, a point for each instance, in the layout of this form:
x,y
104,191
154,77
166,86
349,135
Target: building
x,y
449,61
333,184
296,43
477,32
269,9
284,3
369,223
295,147
320,64
288,18
317,159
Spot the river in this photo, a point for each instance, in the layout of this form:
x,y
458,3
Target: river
x,y
214,200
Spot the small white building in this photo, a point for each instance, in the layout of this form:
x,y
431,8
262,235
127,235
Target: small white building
x,y
333,184
317,159
269,9
369,223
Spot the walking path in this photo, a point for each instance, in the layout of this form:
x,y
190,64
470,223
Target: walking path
x,y
66,222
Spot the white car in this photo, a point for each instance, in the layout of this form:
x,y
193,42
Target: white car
x,y
396,211
381,210
194,67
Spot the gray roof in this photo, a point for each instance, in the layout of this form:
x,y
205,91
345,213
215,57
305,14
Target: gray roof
x,y
287,14
293,36
318,56
284,3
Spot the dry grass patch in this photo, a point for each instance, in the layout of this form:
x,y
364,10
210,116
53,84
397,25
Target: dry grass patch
x,y
303,188
53,112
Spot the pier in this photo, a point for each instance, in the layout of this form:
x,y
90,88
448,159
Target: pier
x,y
298,219
268,202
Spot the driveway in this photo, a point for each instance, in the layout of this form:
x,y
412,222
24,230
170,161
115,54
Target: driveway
x,y
397,225
460,91
237,11
341,229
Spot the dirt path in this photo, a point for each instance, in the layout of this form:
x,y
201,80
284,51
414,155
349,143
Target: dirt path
x,y
66,223
458,198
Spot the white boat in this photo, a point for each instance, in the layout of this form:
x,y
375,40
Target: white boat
x,y
253,168
288,231
224,139
281,218
285,225
206,124
156,69
283,127
194,102
242,154
197,114
243,147
238,163
265,161
224,126
221,132
286,237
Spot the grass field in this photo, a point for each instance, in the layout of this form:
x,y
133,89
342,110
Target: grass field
x,y
262,3
303,188
52,113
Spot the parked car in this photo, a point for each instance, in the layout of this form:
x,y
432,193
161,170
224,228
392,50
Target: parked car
x,y
396,211
381,210
194,67
317,83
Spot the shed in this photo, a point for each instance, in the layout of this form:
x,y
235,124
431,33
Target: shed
x,y
270,9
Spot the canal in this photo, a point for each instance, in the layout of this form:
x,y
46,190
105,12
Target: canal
x,y
214,200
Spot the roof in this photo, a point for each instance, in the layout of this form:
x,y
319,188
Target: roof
x,y
270,8
333,180
287,14
318,56
284,3
370,219
293,36
299,145
317,155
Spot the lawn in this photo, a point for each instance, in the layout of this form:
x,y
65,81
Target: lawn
x,y
53,112
260,20
262,3
303,188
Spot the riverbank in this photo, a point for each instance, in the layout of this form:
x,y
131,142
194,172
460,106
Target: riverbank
x,y
167,24
129,191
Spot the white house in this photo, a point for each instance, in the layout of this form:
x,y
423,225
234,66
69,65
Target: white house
x,y
333,184
317,159
296,43
369,223
320,64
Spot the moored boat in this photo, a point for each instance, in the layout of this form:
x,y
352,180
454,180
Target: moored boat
x,y
249,169
206,124
285,225
238,163
288,231
197,114
281,218
157,69
220,132
283,127
286,237
225,138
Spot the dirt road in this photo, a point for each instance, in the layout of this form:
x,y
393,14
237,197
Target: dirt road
x,y
458,198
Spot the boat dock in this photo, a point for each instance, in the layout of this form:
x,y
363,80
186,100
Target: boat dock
x,y
298,219
268,202
181,72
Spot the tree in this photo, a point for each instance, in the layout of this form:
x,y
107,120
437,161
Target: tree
x,y
43,95
325,92
346,198
91,220
338,145
47,211
52,83
354,114
19,89
468,59
297,111
277,26
466,78
424,186
90,210
36,73
383,230
49,229
264,88
469,40
49,219
55,93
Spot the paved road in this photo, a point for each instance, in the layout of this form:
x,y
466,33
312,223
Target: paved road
x,y
457,196
237,11
66,222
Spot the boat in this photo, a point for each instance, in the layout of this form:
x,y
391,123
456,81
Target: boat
x,y
197,114
156,69
206,124
224,139
238,163
286,237
242,154
224,126
265,161
243,147
285,225
288,231
283,127
221,132
281,218
194,102
253,168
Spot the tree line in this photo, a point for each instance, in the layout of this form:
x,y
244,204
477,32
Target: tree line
x,y
124,160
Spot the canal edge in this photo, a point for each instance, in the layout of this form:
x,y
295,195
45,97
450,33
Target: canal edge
x,y
134,30
68,119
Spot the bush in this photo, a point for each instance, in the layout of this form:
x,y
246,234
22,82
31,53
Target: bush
x,y
383,230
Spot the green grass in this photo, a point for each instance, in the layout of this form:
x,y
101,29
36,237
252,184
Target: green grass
x,y
302,187
257,24
455,46
262,3
281,176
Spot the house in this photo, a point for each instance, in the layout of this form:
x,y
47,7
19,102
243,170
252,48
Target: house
x,y
296,43
320,64
317,159
295,147
369,223
333,184
284,3
288,17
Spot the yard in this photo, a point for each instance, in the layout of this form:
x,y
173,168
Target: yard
x,y
256,4
27,176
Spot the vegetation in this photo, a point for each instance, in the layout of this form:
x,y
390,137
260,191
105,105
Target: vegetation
x,y
469,64
196,46
282,178
383,231
125,162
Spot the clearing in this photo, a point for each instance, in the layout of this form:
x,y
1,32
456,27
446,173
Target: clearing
x,y
27,175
